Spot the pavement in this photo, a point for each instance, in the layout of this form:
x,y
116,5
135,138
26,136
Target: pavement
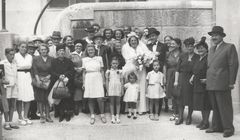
x,y
143,128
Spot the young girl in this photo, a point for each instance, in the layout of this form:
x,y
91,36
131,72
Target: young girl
x,y
132,94
114,86
155,91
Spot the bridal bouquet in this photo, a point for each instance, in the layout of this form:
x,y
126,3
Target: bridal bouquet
x,y
143,60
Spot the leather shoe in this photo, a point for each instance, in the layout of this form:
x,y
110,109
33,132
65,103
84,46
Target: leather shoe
x,y
61,118
34,117
212,131
204,126
228,134
200,125
68,117
179,121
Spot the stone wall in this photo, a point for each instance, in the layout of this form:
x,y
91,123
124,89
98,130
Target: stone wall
x,y
180,23
176,18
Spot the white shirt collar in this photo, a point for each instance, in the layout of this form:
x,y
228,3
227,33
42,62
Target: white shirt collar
x,y
219,45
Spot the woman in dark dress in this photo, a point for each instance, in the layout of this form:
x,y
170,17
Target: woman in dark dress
x,y
172,58
182,77
201,99
42,73
167,42
76,58
63,69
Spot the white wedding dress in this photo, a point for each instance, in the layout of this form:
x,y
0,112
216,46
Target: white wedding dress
x,y
130,54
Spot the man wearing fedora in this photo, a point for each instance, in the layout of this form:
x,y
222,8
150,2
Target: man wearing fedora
x,y
90,34
158,48
56,37
102,50
221,77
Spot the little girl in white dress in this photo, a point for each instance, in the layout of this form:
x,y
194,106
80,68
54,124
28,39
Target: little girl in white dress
x,y
132,95
114,80
155,91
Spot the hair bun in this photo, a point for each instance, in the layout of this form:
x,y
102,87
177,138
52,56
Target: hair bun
x,y
203,39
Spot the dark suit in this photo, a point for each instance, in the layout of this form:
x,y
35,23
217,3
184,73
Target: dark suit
x,y
222,72
105,53
161,49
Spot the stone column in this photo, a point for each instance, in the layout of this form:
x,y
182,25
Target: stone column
x,y
228,16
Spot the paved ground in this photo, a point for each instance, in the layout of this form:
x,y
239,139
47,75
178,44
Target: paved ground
x,y
141,129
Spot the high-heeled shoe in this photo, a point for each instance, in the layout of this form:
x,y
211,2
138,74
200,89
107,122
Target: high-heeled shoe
x,y
61,118
204,126
179,121
200,125
48,119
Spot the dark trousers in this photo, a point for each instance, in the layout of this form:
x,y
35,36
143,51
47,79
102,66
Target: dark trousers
x,y
221,102
33,108
66,106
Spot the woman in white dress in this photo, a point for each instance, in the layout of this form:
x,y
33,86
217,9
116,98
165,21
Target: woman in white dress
x,y
130,51
93,80
24,83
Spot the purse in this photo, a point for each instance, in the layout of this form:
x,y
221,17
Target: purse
x,y
45,82
60,91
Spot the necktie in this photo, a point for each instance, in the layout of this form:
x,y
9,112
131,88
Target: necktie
x,y
214,48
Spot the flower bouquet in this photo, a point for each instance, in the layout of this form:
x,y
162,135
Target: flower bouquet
x,y
143,60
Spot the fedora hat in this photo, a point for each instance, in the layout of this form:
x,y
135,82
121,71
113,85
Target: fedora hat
x,y
90,29
31,45
98,35
153,31
56,35
37,38
217,30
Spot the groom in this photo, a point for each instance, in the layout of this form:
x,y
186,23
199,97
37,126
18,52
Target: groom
x,y
158,48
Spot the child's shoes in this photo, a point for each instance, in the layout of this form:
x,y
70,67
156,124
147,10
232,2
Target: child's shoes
x,y
113,121
117,119
151,117
129,115
156,117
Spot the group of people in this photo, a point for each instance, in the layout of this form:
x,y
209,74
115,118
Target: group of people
x,y
130,69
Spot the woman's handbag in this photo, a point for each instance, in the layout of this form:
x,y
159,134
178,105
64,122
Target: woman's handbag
x,y
60,91
45,82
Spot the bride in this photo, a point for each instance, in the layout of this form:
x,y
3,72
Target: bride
x,y
131,51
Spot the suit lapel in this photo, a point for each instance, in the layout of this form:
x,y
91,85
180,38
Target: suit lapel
x,y
150,47
213,54
159,47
